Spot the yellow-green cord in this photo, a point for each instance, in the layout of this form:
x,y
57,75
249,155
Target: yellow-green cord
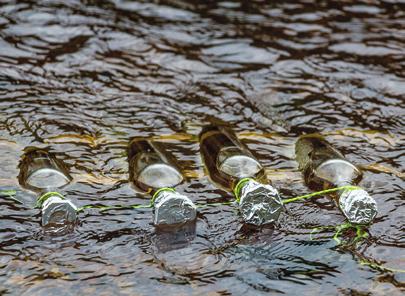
x,y
9,193
47,195
154,196
103,208
239,187
322,192
380,267
215,204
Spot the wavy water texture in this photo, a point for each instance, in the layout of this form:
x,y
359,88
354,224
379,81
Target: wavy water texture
x,y
83,77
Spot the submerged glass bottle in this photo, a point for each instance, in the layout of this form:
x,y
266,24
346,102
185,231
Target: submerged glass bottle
x,y
231,165
325,167
42,173
153,171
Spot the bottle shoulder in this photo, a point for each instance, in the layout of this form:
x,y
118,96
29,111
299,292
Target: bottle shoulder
x,y
338,172
40,170
240,166
47,178
321,162
159,175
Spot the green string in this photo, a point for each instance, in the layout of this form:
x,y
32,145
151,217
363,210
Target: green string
x,y
155,195
380,266
103,208
243,181
214,204
347,187
239,187
361,233
47,195
10,194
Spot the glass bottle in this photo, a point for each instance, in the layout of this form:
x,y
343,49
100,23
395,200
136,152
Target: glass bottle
x,y
154,172
231,165
42,173
325,167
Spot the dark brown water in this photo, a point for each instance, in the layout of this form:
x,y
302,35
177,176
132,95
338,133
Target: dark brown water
x,y
83,77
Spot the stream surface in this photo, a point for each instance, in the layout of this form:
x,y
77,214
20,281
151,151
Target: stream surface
x,y
81,78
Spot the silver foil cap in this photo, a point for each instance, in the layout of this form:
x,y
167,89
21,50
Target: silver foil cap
x,y
358,206
259,204
171,207
58,211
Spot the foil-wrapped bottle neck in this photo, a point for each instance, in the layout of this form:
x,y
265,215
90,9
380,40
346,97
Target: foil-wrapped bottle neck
x,y
172,208
259,203
158,194
56,210
238,187
358,206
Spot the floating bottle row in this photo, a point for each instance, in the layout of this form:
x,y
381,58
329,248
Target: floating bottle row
x,y
229,164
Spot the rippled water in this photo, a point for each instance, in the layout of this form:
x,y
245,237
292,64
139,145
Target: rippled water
x,y
83,77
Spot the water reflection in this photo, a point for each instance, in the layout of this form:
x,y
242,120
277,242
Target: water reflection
x,y
185,252
167,239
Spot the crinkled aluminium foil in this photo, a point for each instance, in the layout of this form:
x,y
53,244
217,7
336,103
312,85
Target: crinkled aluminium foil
x,y
358,206
259,204
171,207
56,210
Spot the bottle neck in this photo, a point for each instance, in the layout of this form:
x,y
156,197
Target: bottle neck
x,y
337,172
343,183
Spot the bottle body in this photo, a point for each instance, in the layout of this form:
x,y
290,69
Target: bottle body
x,y
153,172
41,172
226,159
149,169
322,165
232,166
325,167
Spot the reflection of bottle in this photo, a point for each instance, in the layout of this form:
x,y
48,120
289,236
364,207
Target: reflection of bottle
x,y
231,165
44,174
182,251
325,167
174,238
153,171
